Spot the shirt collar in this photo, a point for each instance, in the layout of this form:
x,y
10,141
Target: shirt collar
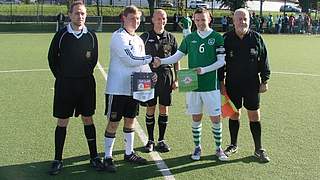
x,y
77,35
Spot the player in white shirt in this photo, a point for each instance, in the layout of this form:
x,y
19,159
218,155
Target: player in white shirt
x,y
127,56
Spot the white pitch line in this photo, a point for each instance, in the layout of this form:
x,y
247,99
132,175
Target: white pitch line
x,y
24,70
163,168
297,74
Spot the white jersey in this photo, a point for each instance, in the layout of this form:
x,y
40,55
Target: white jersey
x,y
127,55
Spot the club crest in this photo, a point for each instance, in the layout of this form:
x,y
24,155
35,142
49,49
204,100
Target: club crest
x,y
211,41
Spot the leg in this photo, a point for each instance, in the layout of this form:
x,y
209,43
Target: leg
x,y
90,133
196,131
217,135
130,155
162,123
150,121
60,136
234,125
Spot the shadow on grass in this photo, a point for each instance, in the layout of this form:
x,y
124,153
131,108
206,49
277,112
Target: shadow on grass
x,y
78,168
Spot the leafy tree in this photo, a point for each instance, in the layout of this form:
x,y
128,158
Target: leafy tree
x,y
308,4
233,4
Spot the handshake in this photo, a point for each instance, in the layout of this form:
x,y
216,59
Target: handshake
x,y
156,62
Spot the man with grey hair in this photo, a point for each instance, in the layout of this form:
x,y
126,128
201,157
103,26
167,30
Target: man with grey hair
x,y
244,76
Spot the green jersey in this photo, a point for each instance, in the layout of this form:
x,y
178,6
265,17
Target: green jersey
x,y
186,22
201,53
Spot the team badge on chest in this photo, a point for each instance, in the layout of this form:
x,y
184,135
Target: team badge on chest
x,y
88,54
211,41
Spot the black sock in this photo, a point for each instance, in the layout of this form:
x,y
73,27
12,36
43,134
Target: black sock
x,y
162,123
150,126
59,138
90,132
255,128
234,129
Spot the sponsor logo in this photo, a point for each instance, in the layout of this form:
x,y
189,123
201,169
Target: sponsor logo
x,y
194,41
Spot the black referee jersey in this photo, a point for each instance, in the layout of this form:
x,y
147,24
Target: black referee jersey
x,y
159,45
70,57
246,59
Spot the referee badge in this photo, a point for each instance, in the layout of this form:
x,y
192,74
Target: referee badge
x,y
88,54
231,54
253,51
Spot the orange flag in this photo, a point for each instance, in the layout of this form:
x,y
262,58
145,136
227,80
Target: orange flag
x,y
227,107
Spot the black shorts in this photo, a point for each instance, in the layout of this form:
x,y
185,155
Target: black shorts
x,y
118,106
249,97
74,96
163,89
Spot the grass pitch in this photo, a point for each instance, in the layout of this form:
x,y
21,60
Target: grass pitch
x,y
290,120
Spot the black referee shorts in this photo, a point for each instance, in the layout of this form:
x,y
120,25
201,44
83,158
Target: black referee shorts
x,y
249,97
118,106
74,96
163,89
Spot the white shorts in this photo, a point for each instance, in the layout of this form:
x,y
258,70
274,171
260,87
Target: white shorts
x,y
186,32
211,101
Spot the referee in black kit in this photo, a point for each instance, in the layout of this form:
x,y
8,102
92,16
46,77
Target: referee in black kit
x,y
160,43
72,56
247,74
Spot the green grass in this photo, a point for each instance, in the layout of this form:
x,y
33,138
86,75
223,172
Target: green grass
x,y
290,120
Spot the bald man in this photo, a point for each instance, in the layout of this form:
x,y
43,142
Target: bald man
x,y
160,43
244,77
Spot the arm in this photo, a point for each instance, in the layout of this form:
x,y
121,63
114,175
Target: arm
x,y
53,55
94,51
172,59
264,68
122,47
220,51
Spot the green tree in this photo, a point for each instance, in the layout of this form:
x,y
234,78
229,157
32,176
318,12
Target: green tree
x,y
233,4
151,6
308,4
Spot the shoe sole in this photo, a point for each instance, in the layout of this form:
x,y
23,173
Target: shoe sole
x,y
195,158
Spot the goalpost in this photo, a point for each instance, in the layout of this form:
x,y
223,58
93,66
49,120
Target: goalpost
x,y
94,22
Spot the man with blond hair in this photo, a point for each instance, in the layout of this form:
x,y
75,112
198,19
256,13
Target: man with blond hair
x,y
160,43
127,55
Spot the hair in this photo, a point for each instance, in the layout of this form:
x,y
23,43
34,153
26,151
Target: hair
x,y
75,3
156,11
202,11
131,10
243,10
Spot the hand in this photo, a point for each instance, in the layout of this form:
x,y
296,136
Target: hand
x,y
156,62
175,85
154,78
263,87
198,70
223,89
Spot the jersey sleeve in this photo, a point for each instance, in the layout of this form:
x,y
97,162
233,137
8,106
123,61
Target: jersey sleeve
x,y
184,46
95,50
264,67
53,54
121,46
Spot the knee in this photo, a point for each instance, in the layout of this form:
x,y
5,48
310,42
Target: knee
x,y
62,122
87,120
112,127
236,116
